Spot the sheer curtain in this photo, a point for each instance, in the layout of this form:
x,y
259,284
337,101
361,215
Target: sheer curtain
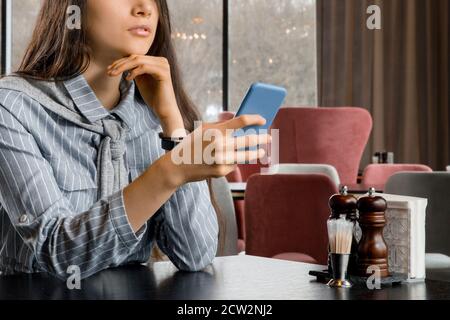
x,y
399,73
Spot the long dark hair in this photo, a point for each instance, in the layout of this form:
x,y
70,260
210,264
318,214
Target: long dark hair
x,y
57,53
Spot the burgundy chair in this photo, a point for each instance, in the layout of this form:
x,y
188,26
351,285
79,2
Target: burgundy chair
x,y
379,174
226,115
334,136
286,216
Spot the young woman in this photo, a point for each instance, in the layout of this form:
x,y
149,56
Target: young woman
x,y
84,180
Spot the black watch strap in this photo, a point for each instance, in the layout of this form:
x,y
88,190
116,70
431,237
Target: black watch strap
x,y
168,143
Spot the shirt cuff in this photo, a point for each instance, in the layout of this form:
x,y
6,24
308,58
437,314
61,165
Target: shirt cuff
x,y
119,219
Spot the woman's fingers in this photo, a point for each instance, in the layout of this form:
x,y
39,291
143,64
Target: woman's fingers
x,y
142,69
115,63
124,66
243,121
135,59
250,141
119,62
145,65
250,156
236,157
221,170
226,142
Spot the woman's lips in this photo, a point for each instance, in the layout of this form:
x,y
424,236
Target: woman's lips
x,y
141,31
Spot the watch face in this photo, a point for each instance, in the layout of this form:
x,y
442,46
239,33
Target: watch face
x,y
167,144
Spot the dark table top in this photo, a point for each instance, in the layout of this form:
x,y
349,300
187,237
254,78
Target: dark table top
x,y
228,278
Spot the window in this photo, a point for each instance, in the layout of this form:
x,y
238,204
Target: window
x,y
24,16
273,42
268,41
197,30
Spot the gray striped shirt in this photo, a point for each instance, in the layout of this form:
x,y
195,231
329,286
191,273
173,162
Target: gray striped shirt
x,y
51,215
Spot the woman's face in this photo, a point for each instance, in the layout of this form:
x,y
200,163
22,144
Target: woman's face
x,y
119,28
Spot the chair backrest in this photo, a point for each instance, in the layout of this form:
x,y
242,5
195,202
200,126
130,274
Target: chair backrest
x,y
288,213
224,201
435,186
334,136
247,170
379,174
301,168
226,115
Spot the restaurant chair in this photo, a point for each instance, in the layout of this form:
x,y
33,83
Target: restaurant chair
x,y
226,115
222,195
301,168
286,216
379,174
242,170
239,207
335,136
435,186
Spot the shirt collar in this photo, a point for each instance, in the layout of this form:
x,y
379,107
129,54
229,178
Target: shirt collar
x,y
125,108
91,108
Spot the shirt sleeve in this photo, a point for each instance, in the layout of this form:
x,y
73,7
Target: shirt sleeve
x,y
188,235
93,240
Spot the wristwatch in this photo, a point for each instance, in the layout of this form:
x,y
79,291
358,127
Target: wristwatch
x,y
168,143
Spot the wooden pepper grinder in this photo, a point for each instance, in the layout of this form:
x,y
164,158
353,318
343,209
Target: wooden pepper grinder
x,y
345,204
372,249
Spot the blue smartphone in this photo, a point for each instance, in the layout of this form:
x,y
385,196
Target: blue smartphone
x,y
262,99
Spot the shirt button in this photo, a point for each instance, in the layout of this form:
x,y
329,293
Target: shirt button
x,y
23,218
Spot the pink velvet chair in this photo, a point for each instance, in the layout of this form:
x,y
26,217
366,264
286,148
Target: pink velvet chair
x,y
286,216
226,115
379,174
334,136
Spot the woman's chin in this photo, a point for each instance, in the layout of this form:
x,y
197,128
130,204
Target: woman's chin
x,y
136,50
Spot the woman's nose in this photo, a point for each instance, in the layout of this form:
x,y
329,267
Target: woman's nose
x,y
143,8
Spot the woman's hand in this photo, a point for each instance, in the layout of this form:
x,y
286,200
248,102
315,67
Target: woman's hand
x,y
155,186
154,81
212,151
